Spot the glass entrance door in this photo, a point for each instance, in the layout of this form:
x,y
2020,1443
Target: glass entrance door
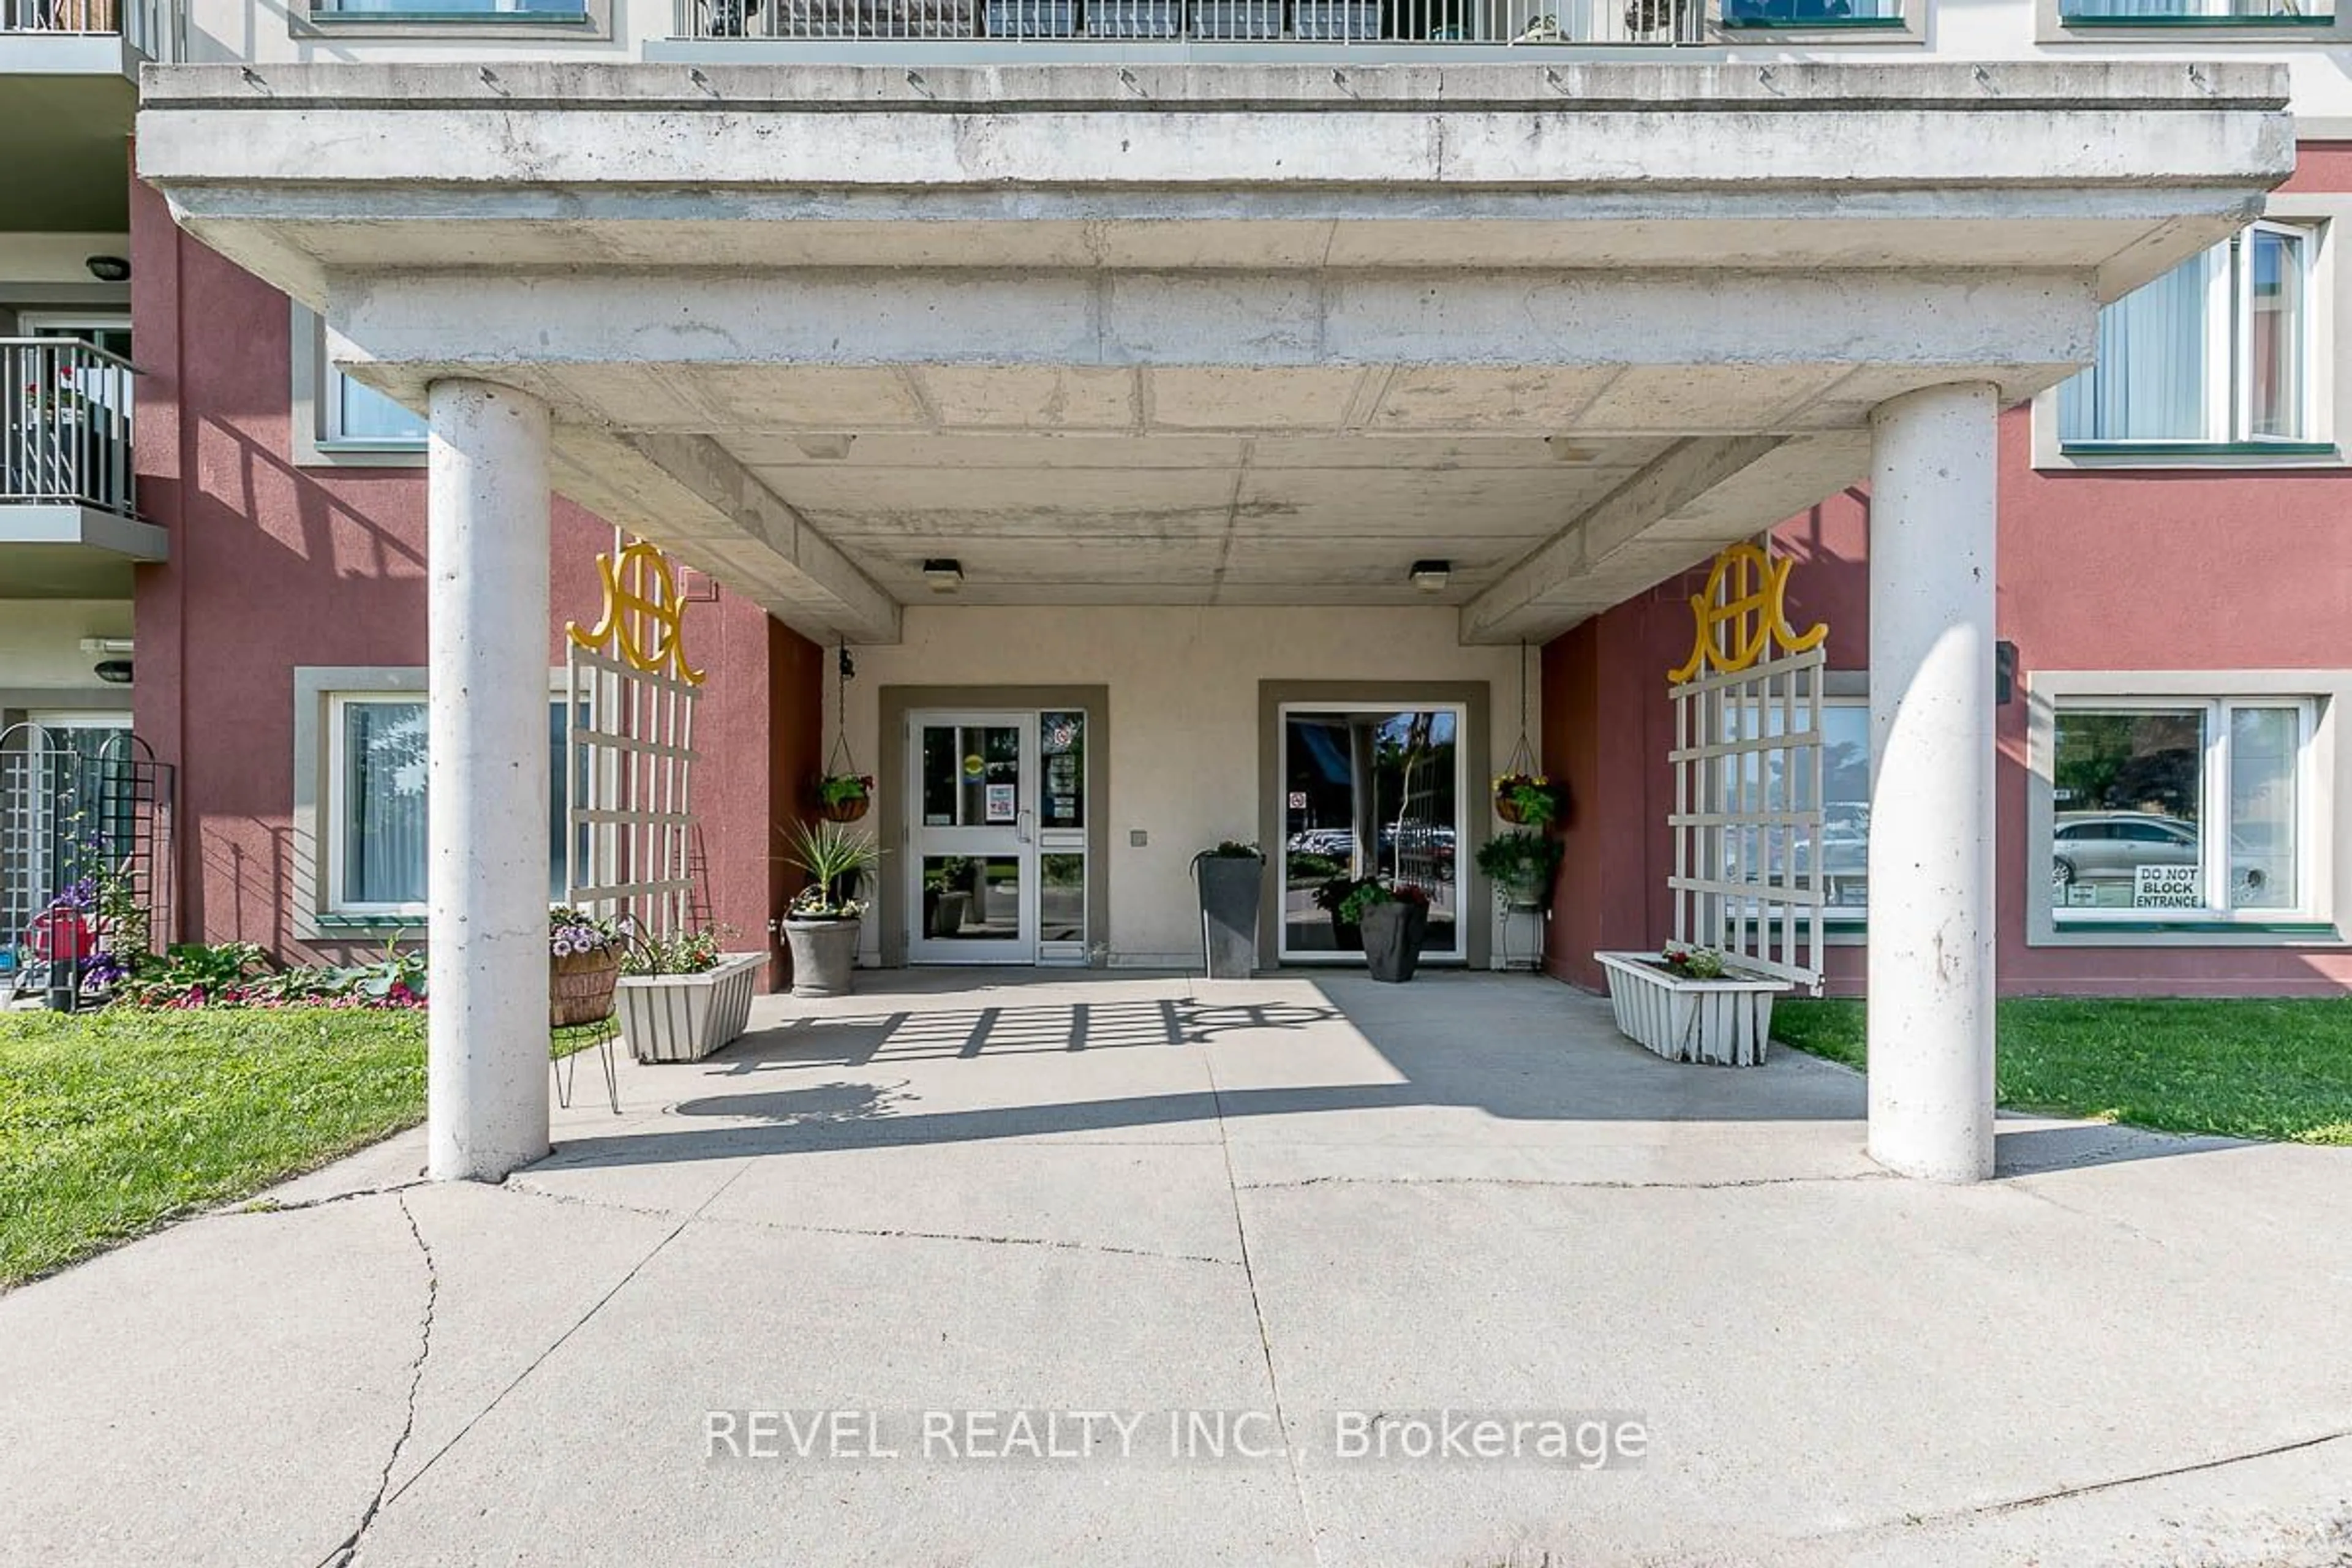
x,y
1370,790
972,866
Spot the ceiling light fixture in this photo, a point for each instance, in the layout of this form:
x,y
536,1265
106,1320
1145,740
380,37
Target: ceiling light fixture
x,y
107,268
113,671
943,573
1431,577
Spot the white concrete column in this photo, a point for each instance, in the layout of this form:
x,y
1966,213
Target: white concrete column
x,y
487,554
1931,785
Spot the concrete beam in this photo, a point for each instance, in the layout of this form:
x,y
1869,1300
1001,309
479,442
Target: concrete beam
x,y
1592,126
1785,480
685,493
1677,478
2023,329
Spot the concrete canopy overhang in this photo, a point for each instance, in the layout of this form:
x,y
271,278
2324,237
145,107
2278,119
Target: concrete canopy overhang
x,y
1215,333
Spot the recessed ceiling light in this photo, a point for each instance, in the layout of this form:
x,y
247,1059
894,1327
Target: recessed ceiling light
x,y
1431,577
944,574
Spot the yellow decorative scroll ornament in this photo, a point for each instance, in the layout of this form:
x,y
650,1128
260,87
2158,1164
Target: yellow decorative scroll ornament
x,y
643,615
1742,614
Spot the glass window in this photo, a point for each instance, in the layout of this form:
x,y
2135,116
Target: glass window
x,y
2178,806
380,817
1845,807
2264,747
1369,792
2254,12
2216,351
1062,738
363,416
376,805
549,9
1751,781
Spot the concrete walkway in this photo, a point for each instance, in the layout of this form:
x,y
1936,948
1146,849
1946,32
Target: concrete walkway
x,y
1288,1206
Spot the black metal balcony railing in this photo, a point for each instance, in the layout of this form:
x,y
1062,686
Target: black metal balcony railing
x,y
151,27
65,424
1634,22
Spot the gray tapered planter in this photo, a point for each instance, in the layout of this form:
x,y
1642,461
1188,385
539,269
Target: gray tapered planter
x,y
1392,934
1230,886
825,952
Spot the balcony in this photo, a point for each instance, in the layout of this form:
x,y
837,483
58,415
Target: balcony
x,y
1006,28
68,87
69,512
66,37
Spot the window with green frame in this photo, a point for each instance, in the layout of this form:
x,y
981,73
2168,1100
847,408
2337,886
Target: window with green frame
x,y
2218,353
2196,13
1796,14
454,10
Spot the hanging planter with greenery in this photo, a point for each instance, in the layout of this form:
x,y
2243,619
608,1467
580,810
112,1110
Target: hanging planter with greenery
x,y
843,793
1522,796
1523,864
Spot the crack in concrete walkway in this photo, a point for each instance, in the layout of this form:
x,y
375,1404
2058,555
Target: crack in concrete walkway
x,y
540,1358
346,1551
881,1233
1257,1311
1543,1182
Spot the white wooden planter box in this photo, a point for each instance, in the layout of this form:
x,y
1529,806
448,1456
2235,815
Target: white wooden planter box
x,y
1726,1022
685,1018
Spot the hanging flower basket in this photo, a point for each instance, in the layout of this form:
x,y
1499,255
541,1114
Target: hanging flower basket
x,y
579,987
1528,800
843,793
849,809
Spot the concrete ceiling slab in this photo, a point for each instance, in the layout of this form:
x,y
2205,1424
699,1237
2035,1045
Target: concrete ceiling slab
x,y
1033,397
1705,399
1534,399
1253,398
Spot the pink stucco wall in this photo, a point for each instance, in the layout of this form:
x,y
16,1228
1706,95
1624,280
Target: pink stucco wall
x,y
274,566
2097,571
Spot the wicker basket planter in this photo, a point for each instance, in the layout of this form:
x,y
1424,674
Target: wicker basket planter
x,y
579,987
685,1018
845,810
1725,1021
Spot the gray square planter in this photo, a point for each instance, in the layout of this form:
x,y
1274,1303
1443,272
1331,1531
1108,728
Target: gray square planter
x,y
685,1018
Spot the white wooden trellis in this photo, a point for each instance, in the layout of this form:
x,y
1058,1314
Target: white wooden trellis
x,y
629,728
1747,818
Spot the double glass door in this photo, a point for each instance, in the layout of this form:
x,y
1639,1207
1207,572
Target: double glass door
x,y
996,866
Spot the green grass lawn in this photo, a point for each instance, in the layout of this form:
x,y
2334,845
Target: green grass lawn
x,y
2245,1069
114,1121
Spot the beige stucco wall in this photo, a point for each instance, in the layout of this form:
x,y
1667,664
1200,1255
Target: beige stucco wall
x,y
1184,682
41,657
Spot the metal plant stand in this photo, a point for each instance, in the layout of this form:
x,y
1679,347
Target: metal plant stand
x,y
565,1045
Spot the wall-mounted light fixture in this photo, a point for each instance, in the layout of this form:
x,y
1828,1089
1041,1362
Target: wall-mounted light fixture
x,y
1431,577
944,574
113,671
107,268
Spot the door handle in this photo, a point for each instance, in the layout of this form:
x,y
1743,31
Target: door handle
x,y
1023,829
